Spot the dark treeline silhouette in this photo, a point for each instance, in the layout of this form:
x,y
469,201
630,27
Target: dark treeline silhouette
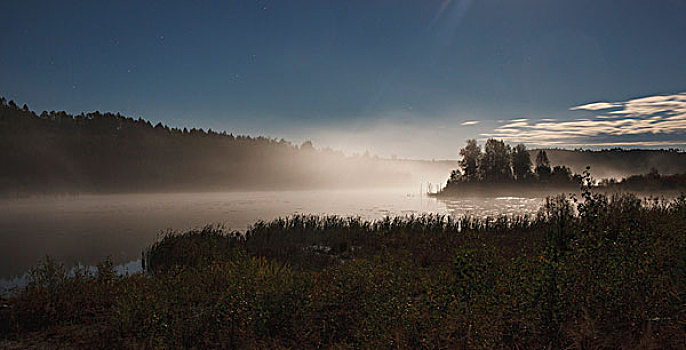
x,y
106,152
652,181
617,162
499,163
500,167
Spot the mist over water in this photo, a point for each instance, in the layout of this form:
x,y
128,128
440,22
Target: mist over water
x,y
86,229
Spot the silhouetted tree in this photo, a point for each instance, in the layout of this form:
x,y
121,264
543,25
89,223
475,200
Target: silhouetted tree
x,y
561,175
543,170
495,161
521,162
469,163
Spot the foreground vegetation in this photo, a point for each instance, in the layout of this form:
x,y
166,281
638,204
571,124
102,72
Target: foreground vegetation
x,y
592,272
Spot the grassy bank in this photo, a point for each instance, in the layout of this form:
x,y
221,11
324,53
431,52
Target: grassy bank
x,y
597,272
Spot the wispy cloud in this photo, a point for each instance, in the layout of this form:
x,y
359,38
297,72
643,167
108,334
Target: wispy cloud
x,y
595,106
469,122
647,121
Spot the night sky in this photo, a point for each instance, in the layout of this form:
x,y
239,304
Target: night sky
x,y
407,78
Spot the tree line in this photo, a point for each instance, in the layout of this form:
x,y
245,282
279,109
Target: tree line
x,y
108,152
500,163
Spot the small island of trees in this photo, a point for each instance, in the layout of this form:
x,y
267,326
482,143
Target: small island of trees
x,y
502,169
499,166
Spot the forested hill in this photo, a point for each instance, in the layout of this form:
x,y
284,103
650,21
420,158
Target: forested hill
x,y
105,152
618,163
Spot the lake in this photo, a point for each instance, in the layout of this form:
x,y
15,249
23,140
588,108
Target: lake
x,y
87,228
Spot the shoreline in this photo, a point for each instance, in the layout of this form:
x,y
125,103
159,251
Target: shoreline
x,y
311,281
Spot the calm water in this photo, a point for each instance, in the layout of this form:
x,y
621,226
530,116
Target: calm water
x,y
87,228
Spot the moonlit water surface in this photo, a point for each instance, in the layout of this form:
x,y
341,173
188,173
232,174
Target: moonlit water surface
x,y
86,229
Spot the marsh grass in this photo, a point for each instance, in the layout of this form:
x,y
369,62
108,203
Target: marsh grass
x,y
591,272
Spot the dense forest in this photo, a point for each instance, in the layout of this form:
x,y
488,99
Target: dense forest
x,y
106,152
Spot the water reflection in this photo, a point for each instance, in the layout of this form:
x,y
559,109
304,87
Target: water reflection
x,y
492,206
86,229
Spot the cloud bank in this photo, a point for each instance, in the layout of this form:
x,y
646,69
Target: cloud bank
x,y
648,121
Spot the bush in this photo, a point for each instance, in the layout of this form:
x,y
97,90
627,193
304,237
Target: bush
x,y
606,272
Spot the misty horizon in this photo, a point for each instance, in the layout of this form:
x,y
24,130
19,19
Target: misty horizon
x,y
326,174
55,151
666,116
359,77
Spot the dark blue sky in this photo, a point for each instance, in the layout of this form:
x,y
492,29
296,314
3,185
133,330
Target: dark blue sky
x,y
349,74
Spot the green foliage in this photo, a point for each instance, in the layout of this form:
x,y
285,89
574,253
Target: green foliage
x,y
594,272
236,302
196,248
